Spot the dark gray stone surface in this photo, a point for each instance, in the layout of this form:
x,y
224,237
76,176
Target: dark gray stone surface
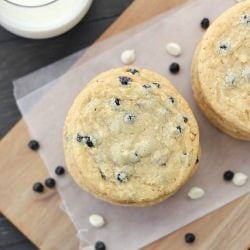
x,y
19,56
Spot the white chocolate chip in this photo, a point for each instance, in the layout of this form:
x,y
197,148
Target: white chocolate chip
x,y
196,193
96,220
173,49
128,56
240,179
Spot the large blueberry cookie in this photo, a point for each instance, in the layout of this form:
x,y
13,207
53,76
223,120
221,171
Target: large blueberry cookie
x,y
130,138
221,72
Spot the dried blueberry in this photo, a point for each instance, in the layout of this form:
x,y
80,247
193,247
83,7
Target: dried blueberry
x,y
79,137
205,23
50,182
124,80
157,84
185,119
33,145
179,128
189,237
99,245
228,175
133,71
172,99
245,19
38,187
174,68
117,101
147,86
223,46
122,177
88,141
102,174
59,170
129,118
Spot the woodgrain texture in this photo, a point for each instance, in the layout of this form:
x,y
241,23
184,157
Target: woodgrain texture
x,y
43,222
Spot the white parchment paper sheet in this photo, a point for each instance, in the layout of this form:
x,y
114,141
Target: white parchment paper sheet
x,y
45,108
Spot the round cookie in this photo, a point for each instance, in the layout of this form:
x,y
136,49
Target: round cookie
x,y
214,117
130,138
221,72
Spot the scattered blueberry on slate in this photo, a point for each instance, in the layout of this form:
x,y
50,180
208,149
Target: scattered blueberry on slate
x,y
205,23
133,71
117,101
99,245
124,80
185,119
174,68
33,145
59,170
189,237
50,182
38,187
228,175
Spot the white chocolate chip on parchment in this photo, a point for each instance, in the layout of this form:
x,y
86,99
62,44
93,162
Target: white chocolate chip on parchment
x,y
96,220
174,49
128,56
196,193
240,179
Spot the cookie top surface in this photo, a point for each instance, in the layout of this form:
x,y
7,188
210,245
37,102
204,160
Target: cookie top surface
x,y
130,137
224,66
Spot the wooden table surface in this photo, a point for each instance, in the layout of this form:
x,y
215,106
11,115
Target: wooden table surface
x,y
19,56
